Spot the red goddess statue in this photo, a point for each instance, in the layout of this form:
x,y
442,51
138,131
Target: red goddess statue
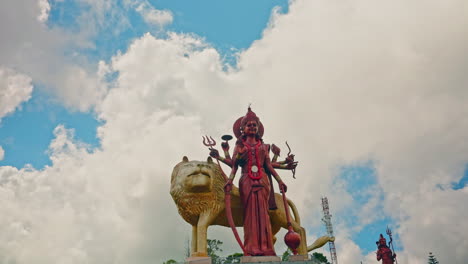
x,y
255,186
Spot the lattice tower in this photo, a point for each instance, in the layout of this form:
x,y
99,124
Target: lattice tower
x,y
327,220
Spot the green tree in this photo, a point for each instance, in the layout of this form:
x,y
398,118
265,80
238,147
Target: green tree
x,y
171,261
214,246
432,259
234,258
320,257
286,255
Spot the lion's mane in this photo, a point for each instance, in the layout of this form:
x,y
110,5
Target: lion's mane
x,y
190,205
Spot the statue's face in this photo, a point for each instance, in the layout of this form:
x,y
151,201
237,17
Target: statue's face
x,y
251,128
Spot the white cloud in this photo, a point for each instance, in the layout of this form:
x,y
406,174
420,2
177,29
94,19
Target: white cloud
x,y
370,82
154,16
343,82
15,88
2,153
31,47
83,89
44,7
347,251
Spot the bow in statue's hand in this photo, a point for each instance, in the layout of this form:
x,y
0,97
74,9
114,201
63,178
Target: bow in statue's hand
x,y
228,186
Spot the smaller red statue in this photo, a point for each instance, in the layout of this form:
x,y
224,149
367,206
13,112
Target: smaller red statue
x,y
384,253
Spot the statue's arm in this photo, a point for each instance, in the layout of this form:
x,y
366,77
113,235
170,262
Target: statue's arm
x,y
226,160
234,164
284,166
379,255
287,164
225,147
232,175
273,172
270,168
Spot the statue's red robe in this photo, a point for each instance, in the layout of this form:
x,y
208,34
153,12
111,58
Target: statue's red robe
x,y
258,238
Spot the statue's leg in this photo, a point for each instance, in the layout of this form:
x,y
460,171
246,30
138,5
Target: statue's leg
x,y
303,244
193,247
201,239
204,221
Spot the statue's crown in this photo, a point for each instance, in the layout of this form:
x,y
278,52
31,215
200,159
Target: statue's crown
x,y
250,116
382,240
242,121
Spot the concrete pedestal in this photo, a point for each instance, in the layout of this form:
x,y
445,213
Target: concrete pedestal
x,y
198,260
259,259
298,258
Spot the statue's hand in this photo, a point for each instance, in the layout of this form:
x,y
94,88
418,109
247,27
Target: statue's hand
x,y
289,158
291,165
275,150
225,146
214,153
228,186
283,187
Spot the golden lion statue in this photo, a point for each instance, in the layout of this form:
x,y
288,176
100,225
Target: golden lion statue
x,y
197,190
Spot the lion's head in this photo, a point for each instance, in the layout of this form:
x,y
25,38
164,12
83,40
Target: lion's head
x,y
196,186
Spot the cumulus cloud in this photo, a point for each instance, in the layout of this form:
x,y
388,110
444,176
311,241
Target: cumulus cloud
x,y
371,83
31,47
2,153
343,82
15,88
44,7
154,16
84,89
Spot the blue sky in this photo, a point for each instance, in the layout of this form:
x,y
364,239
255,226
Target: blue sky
x,y
41,114
381,114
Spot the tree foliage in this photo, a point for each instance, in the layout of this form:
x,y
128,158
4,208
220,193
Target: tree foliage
x,y
234,258
432,259
320,257
213,250
286,255
214,246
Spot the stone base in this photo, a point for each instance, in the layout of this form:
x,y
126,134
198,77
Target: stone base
x,y
298,257
198,260
258,259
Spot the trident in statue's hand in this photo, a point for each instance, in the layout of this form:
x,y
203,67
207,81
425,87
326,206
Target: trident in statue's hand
x,y
389,233
209,142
